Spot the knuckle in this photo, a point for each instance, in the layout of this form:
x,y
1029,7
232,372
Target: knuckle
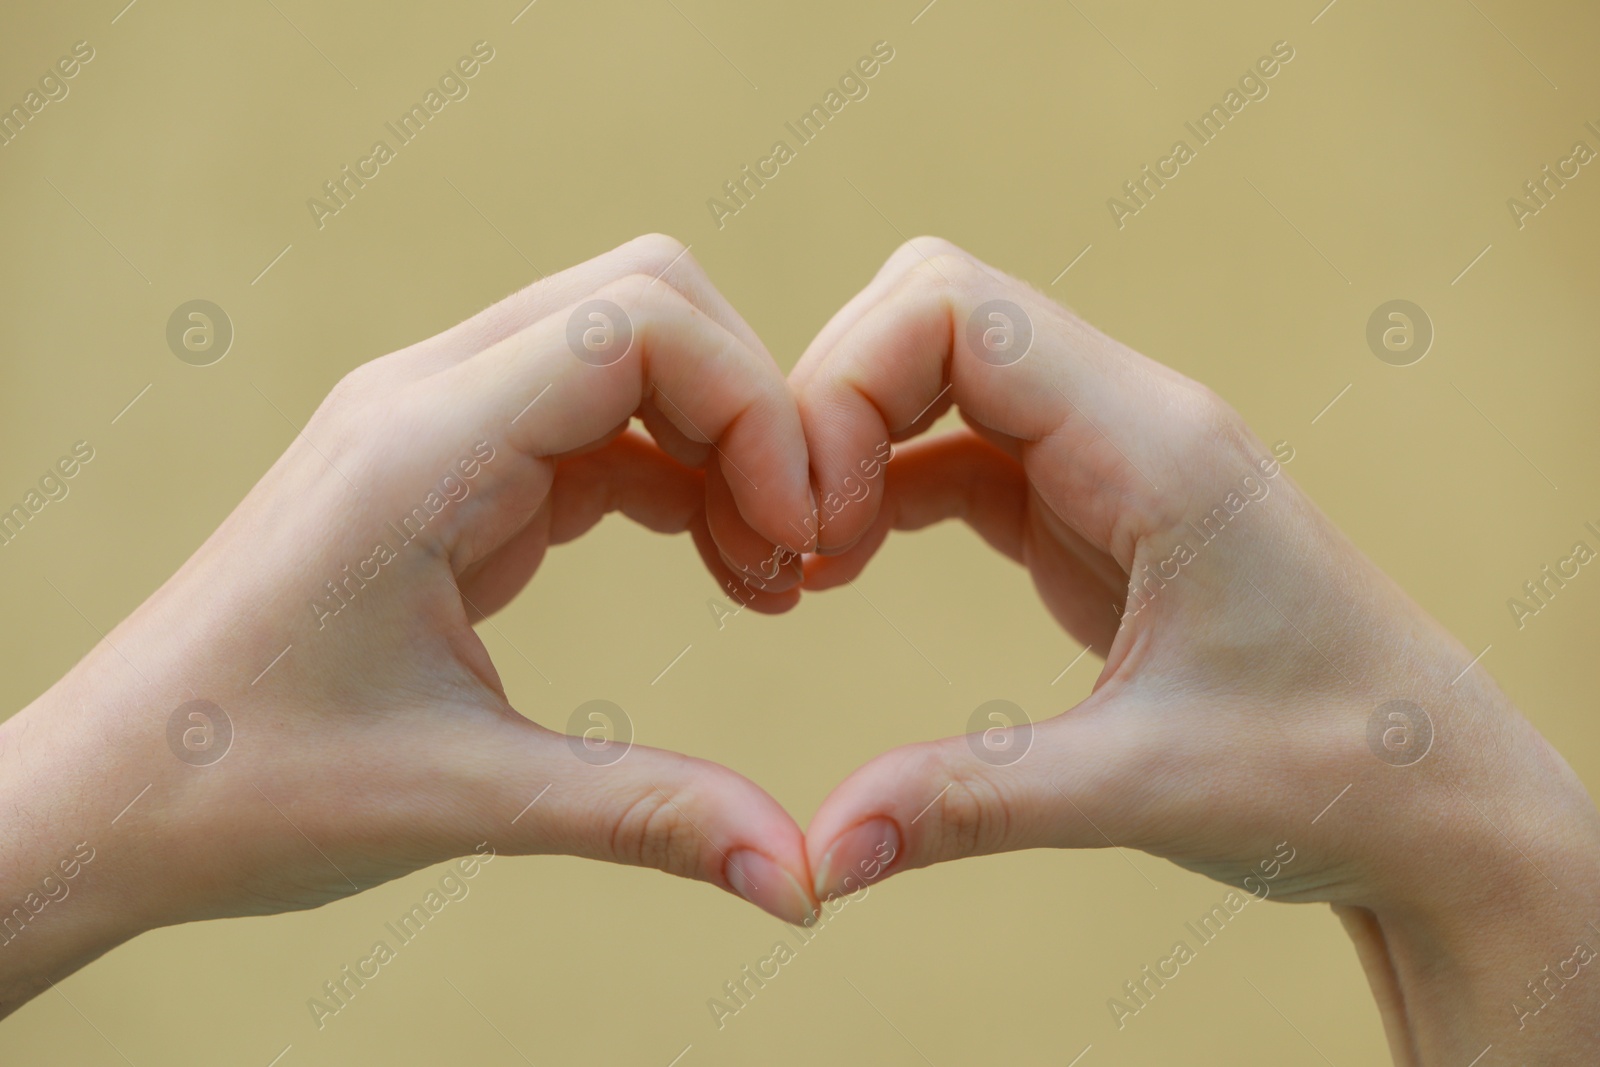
x,y
646,298
357,388
653,832
1206,422
948,272
348,417
635,290
973,820
654,253
927,246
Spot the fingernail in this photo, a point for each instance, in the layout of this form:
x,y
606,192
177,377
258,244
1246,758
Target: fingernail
x,y
806,530
839,550
779,572
788,570
769,887
858,857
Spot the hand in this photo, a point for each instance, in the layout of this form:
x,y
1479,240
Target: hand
x,y
420,498
1249,649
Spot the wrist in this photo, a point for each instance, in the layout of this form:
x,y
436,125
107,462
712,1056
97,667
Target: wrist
x,y
1496,940
1521,973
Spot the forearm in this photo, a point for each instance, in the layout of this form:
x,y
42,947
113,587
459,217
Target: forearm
x,y
79,871
1464,859
1519,982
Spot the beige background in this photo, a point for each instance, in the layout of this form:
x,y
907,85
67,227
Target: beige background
x,y
181,163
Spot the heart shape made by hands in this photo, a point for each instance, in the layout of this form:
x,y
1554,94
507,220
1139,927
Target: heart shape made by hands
x,y
1158,530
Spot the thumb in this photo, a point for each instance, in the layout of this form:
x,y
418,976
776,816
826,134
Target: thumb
x,y
597,795
1060,783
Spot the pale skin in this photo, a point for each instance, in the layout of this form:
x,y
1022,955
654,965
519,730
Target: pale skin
x,y
1233,705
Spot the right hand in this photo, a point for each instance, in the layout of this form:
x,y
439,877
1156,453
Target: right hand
x,y
330,619
1248,647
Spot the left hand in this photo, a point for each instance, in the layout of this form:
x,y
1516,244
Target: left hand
x,y
1249,650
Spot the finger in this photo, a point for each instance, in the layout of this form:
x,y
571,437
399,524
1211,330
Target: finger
x,y
928,481
491,584
654,255
961,476
671,439
1071,786
631,476
1009,445
628,475
605,799
1103,432
917,250
535,394
742,589
777,569
1083,588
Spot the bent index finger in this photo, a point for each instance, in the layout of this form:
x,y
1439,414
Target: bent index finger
x,y
888,277
570,379
1017,365
654,254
